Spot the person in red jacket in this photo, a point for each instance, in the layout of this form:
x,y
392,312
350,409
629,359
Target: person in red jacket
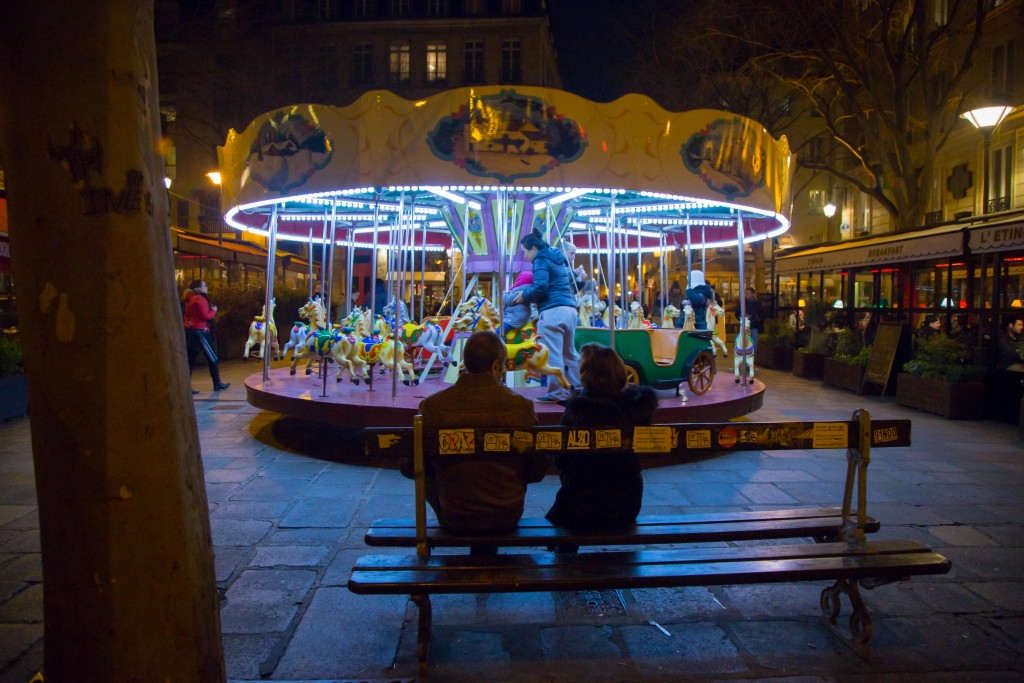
x,y
198,337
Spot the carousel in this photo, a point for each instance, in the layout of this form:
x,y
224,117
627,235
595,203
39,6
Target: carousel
x,y
460,178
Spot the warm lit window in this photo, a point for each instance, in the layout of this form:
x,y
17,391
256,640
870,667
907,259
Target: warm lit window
x,y
1000,179
362,64
398,62
473,67
437,62
511,61
940,12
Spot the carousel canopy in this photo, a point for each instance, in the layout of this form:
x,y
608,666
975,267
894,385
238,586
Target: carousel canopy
x,y
485,165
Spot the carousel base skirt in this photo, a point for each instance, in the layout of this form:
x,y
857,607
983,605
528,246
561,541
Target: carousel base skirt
x,y
357,407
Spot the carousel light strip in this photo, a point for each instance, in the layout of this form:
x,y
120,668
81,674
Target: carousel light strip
x,y
643,250
563,197
445,193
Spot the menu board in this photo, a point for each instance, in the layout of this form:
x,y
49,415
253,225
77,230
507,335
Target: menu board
x,y
883,353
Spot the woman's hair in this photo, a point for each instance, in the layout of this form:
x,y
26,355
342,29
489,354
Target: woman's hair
x,y
601,370
931,319
196,284
534,241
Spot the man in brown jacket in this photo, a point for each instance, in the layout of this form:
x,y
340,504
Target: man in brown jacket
x,y
473,492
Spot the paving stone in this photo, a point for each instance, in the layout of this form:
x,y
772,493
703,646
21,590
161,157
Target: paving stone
x,y
789,646
289,556
227,559
16,639
326,536
25,567
342,631
268,488
264,600
10,513
1007,595
676,604
238,532
320,512
690,649
245,656
255,510
26,607
960,535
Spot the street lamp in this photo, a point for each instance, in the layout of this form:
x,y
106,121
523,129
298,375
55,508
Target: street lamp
x,y
986,119
829,210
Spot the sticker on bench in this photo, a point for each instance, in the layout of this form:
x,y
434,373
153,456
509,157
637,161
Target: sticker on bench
x,y
830,435
456,442
386,441
522,441
698,438
549,441
497,443
608,438
577,440
652,439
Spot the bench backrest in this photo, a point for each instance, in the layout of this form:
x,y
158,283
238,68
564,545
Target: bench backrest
x,y
857,436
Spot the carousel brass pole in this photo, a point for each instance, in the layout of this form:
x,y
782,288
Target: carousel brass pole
x,y
271,252
743,299
612,318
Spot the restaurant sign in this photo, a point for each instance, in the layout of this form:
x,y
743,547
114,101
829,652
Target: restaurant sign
x,y
997,238
879,250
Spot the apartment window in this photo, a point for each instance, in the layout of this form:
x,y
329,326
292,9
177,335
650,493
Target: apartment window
x,y
364,9
437,8
473,71
1003,71
398,62
475,6
511,61
327,65
816,202
1000,179
437,62
399,8
182,220
940,12
511,6
816,148
327,10
362,64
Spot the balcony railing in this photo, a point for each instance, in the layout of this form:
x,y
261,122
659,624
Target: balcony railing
x,y
998,204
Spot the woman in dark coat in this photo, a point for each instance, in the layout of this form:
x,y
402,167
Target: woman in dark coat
x,y
602,490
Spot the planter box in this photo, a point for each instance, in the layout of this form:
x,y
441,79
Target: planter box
x,y
13,397
808,365
964,401
843,375
773,357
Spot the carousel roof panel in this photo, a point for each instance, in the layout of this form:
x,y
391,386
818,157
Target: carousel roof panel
x,y
386,161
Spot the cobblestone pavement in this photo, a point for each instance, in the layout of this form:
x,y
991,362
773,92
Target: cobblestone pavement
x,y
290,501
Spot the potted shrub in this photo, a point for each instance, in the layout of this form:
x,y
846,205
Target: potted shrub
x,y
940,379
13,384
845,368
775,345
809,362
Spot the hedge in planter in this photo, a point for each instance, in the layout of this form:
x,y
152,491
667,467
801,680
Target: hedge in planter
x,y
809,362
845,369
775,345
13,383
941,380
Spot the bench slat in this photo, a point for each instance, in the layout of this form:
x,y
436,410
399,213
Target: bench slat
x,y
697,528
642,569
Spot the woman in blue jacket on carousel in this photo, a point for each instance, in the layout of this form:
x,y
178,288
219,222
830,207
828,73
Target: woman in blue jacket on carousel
x,y
553,293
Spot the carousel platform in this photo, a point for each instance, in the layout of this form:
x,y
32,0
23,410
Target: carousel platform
x,y
356,407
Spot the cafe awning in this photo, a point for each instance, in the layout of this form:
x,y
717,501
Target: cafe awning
x,y
939,242
1002,237
233,251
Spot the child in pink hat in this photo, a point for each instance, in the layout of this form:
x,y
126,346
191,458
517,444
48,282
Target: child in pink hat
x,y
514,316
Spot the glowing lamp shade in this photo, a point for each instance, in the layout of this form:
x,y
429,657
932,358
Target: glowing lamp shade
x,y
986,117
214,177
838,303
829,209
167,182
945,303
1016,304
801,303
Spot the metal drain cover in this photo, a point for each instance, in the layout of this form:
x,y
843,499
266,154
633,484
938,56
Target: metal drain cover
x,y
592,604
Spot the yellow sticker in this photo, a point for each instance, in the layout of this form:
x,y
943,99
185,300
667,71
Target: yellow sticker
x,y
456,442
652,439
608,438
522,441
830,435
500,443
578,440
549,441
385,441
698,438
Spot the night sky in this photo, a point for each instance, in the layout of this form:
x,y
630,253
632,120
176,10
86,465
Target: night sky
x,y
592,42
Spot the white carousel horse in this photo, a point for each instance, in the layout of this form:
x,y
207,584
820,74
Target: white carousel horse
x,y
743,351
258,334
689,319
524,351
322,343
669,315
403,313
299,332
607,314
383,348
713,313
428,336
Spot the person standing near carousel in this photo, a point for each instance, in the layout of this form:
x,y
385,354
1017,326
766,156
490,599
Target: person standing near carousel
x,y
198,336
552,291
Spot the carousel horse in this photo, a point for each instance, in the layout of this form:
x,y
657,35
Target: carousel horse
x,y
382,348
258,334
403,314
590,310
325,343
743,351
689,319
524,351
605,322
428,336
714,312
669,315
636,319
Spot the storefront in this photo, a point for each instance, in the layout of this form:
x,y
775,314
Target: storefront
x,y
969,274
233,263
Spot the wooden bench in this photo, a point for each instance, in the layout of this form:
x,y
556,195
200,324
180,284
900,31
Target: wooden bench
x,y
841,555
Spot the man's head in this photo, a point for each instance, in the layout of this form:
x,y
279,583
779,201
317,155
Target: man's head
x,y
198,286
484,352
1015,325
749,293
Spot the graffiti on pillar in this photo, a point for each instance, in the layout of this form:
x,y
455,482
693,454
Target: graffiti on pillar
x,y
82,157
